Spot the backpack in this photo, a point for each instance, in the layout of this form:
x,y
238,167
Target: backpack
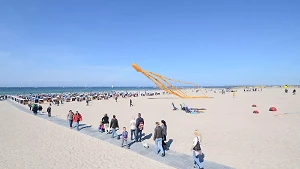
x,y
141,125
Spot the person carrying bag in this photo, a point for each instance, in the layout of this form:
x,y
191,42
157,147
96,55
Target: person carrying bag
x,y
198,156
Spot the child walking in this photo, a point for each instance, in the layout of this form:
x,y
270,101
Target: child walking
x,y
101,127
124,138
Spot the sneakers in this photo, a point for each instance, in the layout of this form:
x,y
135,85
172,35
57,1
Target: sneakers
x,y
162,154
126,146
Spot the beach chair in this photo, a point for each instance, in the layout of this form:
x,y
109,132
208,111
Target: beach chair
x,y
197,109
187,110
193,111
174,108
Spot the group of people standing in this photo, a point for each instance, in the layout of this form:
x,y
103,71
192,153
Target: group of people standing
x,y
35,108
136,128
160,136
74,117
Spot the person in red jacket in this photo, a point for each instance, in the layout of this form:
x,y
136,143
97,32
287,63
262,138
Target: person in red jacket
x,y
77,118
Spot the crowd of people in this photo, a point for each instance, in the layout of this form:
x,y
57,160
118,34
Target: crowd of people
x,y
35,108
2,98
136,126
159,136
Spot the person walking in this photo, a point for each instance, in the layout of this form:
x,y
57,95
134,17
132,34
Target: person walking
x,y
30,106
130,103
197,152
132,128
49,111
105,121
70,118
77,118
101,127
124,138
158,136
139,128
164,128
35,109
114,125
40,108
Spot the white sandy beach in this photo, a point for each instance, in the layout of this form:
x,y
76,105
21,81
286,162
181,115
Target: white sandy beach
x,y
232,134
31,142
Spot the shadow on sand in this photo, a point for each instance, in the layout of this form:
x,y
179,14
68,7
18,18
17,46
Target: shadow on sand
x,y
84,126
144,137
168,144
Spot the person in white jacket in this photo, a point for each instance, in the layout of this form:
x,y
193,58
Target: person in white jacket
x,y
132,127
197,152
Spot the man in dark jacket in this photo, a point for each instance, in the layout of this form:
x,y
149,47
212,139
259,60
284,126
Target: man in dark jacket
x,y
158,136
49,111
139,128
130,103
105,121
114,125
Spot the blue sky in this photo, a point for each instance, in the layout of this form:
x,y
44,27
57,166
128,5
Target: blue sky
x,y
93,43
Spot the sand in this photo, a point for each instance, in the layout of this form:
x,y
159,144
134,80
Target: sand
x,y
30,142
232,134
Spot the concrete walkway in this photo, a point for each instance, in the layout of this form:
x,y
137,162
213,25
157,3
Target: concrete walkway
x,y
172,158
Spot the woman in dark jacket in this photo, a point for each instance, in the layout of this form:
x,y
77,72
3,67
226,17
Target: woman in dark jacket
x,y
105,121
164,128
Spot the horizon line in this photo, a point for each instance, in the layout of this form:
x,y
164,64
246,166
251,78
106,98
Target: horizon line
x,y
203,86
